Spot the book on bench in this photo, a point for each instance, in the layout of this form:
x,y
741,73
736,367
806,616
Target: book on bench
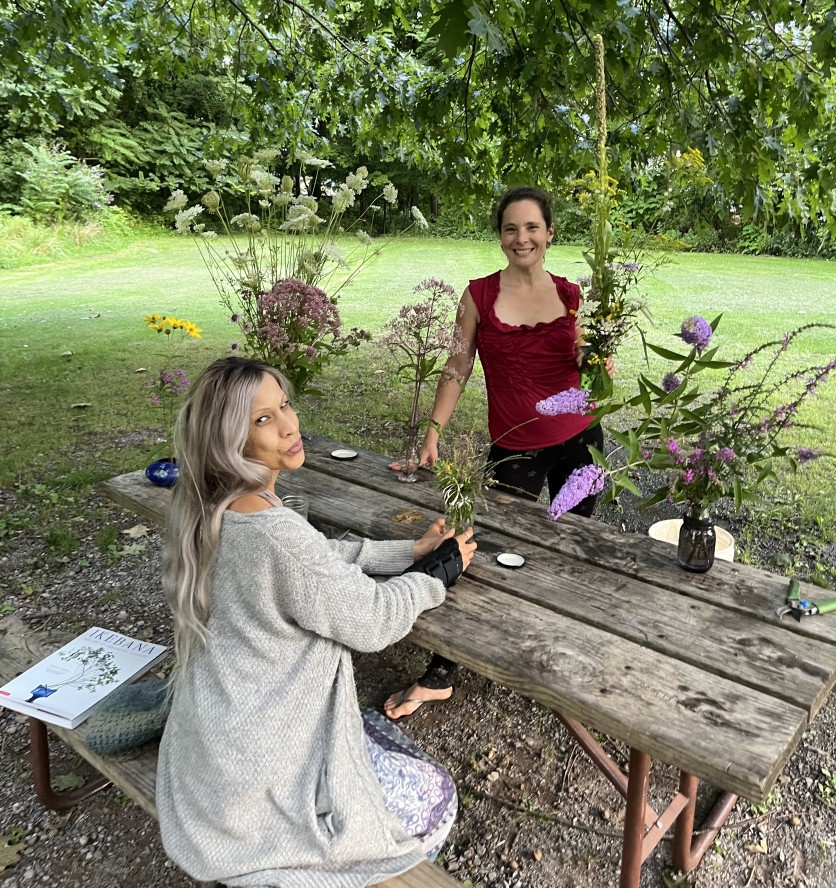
x,y
64,687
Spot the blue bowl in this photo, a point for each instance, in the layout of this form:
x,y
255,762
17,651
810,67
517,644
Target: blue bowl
x,y
163,472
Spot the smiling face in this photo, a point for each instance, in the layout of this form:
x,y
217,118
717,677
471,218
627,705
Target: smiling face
x,y
524,235
274,437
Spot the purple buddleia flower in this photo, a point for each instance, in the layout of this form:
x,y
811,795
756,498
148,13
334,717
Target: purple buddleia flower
x,y
570,401
670,382
696,331
583,482
806,454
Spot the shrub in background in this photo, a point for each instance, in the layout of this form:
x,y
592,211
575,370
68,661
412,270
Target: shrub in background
x,y
57,188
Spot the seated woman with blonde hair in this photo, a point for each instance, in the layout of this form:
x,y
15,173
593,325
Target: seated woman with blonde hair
x,y
269,772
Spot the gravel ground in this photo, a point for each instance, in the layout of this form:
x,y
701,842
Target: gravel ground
x,y
534,812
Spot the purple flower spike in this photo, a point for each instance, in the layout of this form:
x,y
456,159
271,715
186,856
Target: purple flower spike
x,y
571,401
670,381
583,482
806,454
696,331
725,454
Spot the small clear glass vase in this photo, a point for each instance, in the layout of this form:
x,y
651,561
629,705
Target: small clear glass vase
x,y
408,458
697,541
460,516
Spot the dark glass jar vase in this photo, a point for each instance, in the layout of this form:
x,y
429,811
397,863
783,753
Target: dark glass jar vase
x,y
697,541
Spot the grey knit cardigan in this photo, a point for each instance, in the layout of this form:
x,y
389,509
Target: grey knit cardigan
x,y
264,778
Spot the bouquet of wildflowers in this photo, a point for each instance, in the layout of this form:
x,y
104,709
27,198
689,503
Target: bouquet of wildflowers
x,y
422,337
609,312
707,445
461,478
169,382
297,329
280,229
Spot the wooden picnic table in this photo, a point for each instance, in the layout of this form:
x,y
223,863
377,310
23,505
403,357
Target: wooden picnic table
x,y
603,627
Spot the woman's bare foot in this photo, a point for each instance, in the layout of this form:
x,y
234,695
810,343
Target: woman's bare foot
x,y
404,704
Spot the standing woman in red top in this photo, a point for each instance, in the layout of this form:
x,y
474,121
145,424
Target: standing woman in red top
x,y
521,321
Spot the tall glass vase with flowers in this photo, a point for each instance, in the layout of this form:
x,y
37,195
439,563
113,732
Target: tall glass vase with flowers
x,y
165,386
276,245
707,444
619,258
421,338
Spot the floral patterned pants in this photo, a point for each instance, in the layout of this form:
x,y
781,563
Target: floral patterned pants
x,y
416,789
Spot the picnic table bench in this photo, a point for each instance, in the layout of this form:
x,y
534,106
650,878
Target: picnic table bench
x,y
693,670
133,772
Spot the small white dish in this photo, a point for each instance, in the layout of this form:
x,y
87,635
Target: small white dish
x,y
510,559
344,454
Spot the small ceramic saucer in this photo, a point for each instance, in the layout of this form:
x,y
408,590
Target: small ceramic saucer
x,y
510,559
344,454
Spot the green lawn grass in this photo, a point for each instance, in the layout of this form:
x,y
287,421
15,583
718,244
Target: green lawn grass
x,y
93,306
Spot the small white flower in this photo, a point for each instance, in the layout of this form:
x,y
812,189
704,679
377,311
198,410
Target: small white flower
x,y
390,193
308,202
307,159
282,199
363,237
209,234
342,200
266,155
215,167
357,182
300,218
264,181
184,219
333,252
287,185
418,216
246,220
176,202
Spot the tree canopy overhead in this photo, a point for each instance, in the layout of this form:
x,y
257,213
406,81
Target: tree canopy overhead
x,y
475,93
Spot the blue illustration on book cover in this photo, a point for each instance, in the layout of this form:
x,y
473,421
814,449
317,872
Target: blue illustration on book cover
x,y
65,686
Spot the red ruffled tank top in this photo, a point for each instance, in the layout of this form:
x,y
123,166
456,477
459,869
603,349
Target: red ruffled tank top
x,y
524,365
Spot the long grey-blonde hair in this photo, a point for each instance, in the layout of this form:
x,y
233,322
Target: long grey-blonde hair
x,y
210,436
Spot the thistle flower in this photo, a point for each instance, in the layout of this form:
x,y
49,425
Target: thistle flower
x,y
583,482
670,382
570,401
806,454
696,331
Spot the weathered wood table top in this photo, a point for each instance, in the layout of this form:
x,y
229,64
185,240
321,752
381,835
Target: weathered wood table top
x,y
693,669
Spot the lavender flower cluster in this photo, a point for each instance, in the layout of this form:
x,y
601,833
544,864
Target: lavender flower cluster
x,y
574,401
583,482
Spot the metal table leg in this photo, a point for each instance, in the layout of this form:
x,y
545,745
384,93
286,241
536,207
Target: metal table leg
x,y
39,746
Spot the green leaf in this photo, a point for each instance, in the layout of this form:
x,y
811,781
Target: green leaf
x,y
667,353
